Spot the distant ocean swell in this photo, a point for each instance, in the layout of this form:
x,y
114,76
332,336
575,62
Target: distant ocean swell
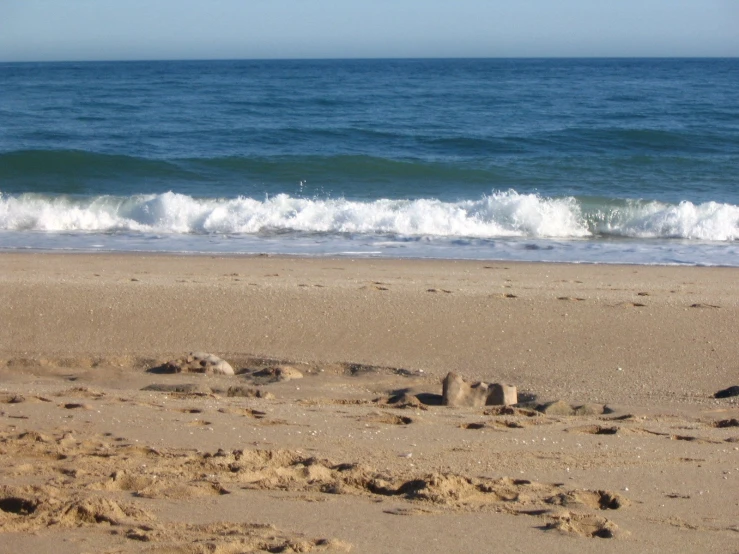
x,y
53,167
506,214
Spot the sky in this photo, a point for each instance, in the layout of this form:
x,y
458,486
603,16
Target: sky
x,y
72,30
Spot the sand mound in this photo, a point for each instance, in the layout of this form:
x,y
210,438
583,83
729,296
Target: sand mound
x,y
227,538
27,508
183,474
598,500
583,525
91,511
196,362
390,419
30,508
276,374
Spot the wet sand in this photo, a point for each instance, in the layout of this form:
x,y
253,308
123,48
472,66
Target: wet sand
x,y
91,462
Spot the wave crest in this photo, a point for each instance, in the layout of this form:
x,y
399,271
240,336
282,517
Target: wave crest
x,y
501,214
711,221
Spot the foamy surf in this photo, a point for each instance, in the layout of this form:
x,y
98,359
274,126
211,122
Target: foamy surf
x,y
709,221
506,214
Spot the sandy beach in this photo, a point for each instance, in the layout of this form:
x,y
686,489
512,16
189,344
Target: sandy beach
x,y
98,453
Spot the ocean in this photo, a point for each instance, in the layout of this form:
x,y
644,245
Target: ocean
x,y
561,160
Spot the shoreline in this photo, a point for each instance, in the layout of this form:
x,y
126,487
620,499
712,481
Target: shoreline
x,y
347,257
350,257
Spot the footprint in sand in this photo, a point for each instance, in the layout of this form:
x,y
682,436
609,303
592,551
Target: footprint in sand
x,y
76,406
199,423
501,295
495,425
81,392
691,438
390,419
410,512
595,430
583,525
13,398
248,412
473,426
726,423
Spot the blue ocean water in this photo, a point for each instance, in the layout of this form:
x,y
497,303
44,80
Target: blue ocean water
x,y
583,160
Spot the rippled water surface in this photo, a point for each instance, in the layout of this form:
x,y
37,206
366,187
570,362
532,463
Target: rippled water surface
x,y
556,160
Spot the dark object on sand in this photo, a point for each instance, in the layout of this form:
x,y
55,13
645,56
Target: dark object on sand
x,y
727,393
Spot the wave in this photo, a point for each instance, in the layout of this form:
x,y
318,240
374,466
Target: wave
x,y
708,221
498,215
62,163
41,167
340,168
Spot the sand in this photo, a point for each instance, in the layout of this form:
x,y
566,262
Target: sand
x,y
91,462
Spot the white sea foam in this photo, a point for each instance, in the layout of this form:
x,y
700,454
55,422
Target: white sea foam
x,y
499,215
709,221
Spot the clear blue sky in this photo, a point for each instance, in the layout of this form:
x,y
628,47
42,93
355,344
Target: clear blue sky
x,y
194,29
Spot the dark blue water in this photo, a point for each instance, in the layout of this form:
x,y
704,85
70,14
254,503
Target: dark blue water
x,y
563,160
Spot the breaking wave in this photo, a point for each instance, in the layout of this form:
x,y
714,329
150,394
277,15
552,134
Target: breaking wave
x,y
500,214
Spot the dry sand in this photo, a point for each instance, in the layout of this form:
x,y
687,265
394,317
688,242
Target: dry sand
x,y
90,462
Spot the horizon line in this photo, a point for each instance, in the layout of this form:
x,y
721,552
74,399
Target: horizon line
x,y
362,58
